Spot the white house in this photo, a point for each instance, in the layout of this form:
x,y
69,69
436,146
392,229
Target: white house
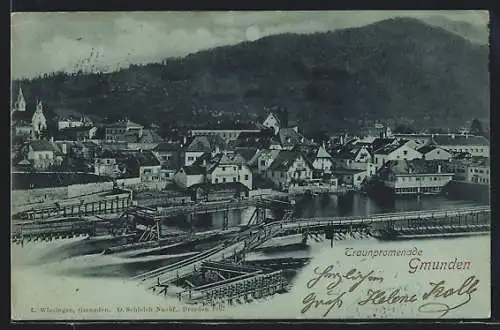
x,y
394,152
226,168
43,154
432,152
479,172
417,176
188,176
323,160
355,156
106,164
289,167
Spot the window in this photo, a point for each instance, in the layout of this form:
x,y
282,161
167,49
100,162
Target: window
x,y
224,180
223,168
435,178
246,176
190,158
239,167
405,152
234,179
263,163
216,180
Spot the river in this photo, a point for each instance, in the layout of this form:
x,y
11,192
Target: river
x,y
74,262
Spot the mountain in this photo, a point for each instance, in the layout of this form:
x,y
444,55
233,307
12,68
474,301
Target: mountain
x,y
399,69
473,32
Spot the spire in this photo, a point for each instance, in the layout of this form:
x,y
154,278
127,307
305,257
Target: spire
x,y
20,104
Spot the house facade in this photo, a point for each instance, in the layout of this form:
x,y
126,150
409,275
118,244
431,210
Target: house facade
x,y
189,176
415,177
289,167
323,160
118,130
478,172
226,168
43,154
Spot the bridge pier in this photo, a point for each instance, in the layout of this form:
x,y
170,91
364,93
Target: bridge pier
x,y
225,220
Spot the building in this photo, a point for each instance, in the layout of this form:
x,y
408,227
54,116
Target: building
x,y
43,154
190,175
169,155
79,133
119,130
229,167
26,123
227,133
73,122
145,139
273,122
264,159
351,177
106,164
398,151
323,160
352,156
478,172
415,176
432,152
198,145
420,139
289,167
290,138
221,168
144,165
477,146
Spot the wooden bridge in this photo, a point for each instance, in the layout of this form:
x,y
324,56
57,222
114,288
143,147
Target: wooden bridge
x,y
109,204
256,235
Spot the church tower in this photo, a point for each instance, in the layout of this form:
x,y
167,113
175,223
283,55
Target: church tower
x,y
20,104
38,121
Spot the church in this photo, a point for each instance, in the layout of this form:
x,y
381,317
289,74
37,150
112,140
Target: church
x,y
26,123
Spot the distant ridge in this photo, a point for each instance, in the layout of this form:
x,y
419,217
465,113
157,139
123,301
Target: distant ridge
x,y
399,68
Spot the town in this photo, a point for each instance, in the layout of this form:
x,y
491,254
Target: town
x,y
239,159
91,178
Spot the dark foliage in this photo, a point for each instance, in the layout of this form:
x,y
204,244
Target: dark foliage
x,y
400,68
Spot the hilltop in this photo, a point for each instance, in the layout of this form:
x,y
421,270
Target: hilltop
x,y
399,69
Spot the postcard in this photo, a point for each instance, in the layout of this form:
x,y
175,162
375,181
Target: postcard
x,y
250,165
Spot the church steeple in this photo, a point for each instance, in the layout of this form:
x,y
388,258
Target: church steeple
x,y
20,104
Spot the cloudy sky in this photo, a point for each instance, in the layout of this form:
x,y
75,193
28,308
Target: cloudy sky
x,y
48,42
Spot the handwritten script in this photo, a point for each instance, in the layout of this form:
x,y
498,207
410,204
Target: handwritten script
x,y
329,288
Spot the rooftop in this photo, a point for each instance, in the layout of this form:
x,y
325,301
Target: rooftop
x,y
411,167
43,145
204,143
285,159
459,140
